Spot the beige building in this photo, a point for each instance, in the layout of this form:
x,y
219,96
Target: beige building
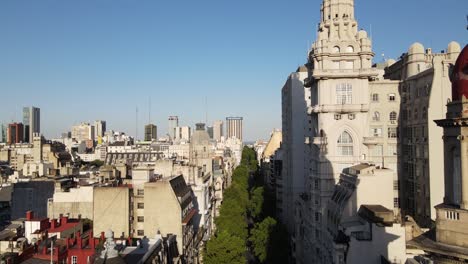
x,y
172,214
112,210
76,203
147,207
449,242
83,132
424,87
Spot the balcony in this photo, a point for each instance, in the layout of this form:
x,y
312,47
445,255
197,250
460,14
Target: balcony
x,y
338,108
373,141
344,73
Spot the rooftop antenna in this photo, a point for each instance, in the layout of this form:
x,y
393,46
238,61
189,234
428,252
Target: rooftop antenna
x,y
136,124
206,110
149,110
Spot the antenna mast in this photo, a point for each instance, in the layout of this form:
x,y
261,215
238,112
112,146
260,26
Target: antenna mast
x,y
136,125
149,110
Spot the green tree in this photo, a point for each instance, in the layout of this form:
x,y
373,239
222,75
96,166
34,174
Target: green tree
x,y
256,203
225,248
261,237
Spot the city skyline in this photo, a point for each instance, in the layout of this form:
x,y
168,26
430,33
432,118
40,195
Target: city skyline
x,y
74,58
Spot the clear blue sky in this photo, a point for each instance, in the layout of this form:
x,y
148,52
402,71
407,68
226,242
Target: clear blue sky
x,y
100,59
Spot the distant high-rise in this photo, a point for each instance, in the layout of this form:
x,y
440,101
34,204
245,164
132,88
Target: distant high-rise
x,y
210,131
31,122
173,123
15,133
217,130
99,129
151,132
4,134
183,133
234,127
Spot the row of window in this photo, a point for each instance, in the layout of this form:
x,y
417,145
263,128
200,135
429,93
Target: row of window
x,y
390,97
392,132
392,116
348,49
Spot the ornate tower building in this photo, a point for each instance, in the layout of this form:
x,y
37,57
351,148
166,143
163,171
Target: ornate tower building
x,y
342,82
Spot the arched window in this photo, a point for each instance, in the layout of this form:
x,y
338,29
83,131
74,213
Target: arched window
x,y
376,116
345,144
393,116
350,49
336,49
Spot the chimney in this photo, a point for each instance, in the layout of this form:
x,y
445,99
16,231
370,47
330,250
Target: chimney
x,y
29,215
68,242
79,240
92,241
63,220
53,224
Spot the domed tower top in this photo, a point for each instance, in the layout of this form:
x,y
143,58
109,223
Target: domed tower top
x,y
459,77
335,9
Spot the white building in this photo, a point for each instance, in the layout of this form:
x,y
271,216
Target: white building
x,y
295,102
173,123
183,133
234,127
218,130
99,129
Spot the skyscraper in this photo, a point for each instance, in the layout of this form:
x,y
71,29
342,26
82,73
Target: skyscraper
x,y
31,122
151,132
217,130
15,133
173,123
4,134
99,129
234,127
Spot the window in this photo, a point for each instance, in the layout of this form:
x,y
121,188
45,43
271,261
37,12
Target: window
x,y
393,116
336,49
316,184
140,219
392,150
344,93
376,132
140,192
391,97
396,202
140,232
392,132
376,116
396,185
416,114
375,97
350,49
345,144
337,116
424,113
140,205
351,116
74,259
